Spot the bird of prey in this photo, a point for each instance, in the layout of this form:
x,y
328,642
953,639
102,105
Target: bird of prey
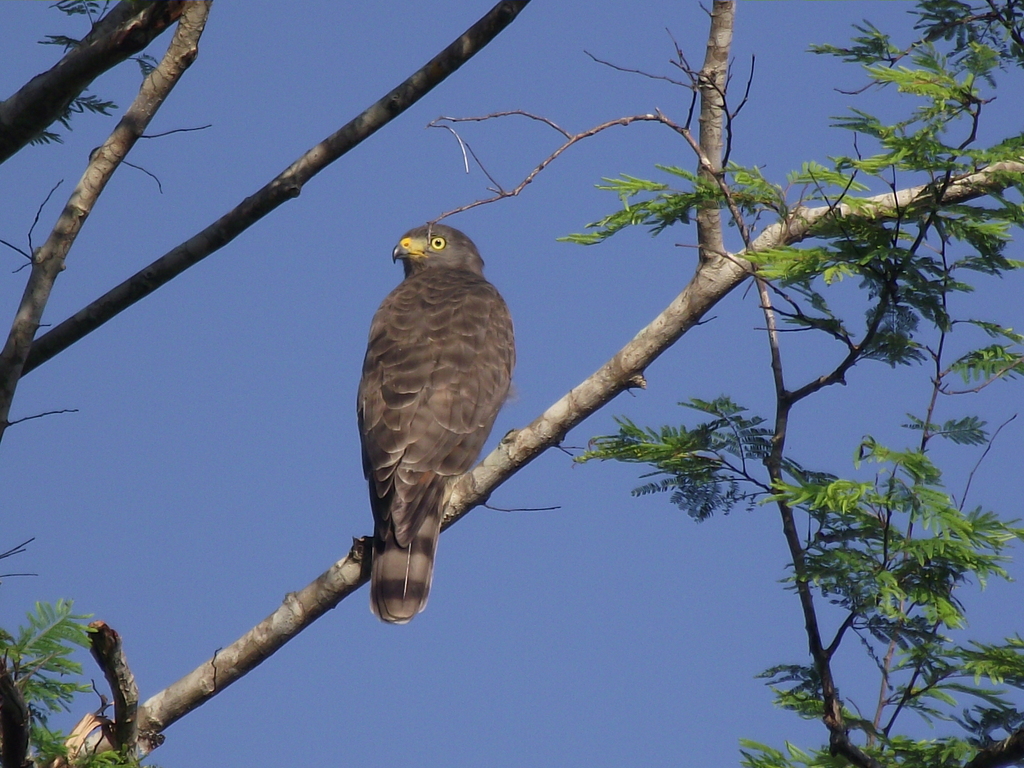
x,y
437,370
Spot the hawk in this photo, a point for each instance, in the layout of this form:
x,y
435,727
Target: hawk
x,y
437,370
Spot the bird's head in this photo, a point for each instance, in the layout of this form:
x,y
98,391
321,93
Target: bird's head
x,y
434,246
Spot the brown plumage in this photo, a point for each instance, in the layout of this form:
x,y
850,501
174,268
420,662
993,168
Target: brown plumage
x,y
437,370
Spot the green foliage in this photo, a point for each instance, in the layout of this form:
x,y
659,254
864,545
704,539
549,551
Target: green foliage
x,y
705,467
888,554
85,101
91,8
658,206
40,657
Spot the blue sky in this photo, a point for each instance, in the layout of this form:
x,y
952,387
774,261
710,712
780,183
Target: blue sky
x,y
213,464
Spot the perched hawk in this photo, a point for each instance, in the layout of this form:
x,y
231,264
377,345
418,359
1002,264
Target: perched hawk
x,y
437,370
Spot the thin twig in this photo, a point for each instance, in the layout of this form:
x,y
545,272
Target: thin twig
x,y
462,146
17,549
506,113
16,248
39,211
521,509
970,477
40,415
175,130
640,72
159,186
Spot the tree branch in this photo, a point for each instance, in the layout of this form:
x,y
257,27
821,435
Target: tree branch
x,y
711,83
48,261
284,187
105,645
14,722
125,31
1009,751
800,222
299,610
501,194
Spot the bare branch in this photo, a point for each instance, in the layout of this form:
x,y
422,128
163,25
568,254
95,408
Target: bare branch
x,y
616,67
500,193
126,30
175,130
105,645
40,415
299,610
48,261
988,447
284,187
711,83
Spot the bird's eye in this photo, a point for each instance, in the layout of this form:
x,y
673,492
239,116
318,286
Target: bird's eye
x,y
438,243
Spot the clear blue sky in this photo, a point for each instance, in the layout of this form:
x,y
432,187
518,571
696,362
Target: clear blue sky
x,y
213,464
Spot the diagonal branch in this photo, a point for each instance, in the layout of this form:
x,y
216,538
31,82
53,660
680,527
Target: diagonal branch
x,y
1009,751
299,610
125,31
278,191
800,222
48,260
711,282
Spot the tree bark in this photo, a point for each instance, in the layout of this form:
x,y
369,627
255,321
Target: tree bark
x,y
125,31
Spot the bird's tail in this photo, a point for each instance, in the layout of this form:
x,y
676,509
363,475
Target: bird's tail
x,y
400,578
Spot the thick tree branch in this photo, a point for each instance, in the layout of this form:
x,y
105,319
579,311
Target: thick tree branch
x,y
801,221
125,31
278,191
105,645
711,81
1009,751
300,609
48,260
14,722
